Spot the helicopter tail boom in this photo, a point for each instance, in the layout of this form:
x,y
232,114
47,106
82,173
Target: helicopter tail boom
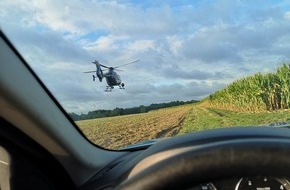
x,y
99,71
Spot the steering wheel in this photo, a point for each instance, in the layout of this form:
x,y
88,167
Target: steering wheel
x,y
268,156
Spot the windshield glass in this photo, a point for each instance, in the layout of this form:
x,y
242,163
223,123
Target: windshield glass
x,y
130,71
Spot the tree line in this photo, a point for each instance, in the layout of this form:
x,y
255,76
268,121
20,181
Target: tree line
x,y
126,111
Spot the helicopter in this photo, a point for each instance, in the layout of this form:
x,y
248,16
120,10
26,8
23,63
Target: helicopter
x,y
112,78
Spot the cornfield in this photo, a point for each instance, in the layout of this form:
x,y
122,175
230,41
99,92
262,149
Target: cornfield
x,y
269,91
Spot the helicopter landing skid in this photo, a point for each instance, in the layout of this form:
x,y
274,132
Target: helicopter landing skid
x,y
109,88
122,86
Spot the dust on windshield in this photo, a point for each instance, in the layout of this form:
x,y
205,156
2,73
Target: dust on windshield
x,y
128,71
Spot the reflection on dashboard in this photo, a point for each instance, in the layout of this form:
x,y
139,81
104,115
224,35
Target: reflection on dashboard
x,y
205,186
246,183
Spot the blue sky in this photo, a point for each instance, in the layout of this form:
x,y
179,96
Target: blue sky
x,y
188,49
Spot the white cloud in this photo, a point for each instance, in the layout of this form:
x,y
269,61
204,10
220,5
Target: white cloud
x,y
175,44
193,47
287,15
141,45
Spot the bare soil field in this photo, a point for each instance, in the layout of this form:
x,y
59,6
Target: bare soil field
x,y
120,131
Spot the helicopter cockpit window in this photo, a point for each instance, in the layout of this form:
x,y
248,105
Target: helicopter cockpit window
x,y
133,73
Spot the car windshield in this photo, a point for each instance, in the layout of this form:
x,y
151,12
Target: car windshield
x,y
133,71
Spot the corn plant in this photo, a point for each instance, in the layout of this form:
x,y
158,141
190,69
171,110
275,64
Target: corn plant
x,y
259,92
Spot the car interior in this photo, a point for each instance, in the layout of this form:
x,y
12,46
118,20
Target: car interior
x,y
41,147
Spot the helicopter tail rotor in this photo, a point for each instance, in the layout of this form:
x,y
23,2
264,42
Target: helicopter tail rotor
x,y
99,71
98,64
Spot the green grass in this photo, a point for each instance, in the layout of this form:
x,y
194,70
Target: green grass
x,y
202,118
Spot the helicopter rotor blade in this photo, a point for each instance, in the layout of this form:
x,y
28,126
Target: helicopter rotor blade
x,y
90,72
126,64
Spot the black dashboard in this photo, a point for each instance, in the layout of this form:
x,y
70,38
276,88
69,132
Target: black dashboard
x,y
232,158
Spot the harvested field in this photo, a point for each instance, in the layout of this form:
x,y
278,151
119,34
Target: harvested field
x,y
120,131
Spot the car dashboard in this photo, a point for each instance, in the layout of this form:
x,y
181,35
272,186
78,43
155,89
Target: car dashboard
x,y
227,159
